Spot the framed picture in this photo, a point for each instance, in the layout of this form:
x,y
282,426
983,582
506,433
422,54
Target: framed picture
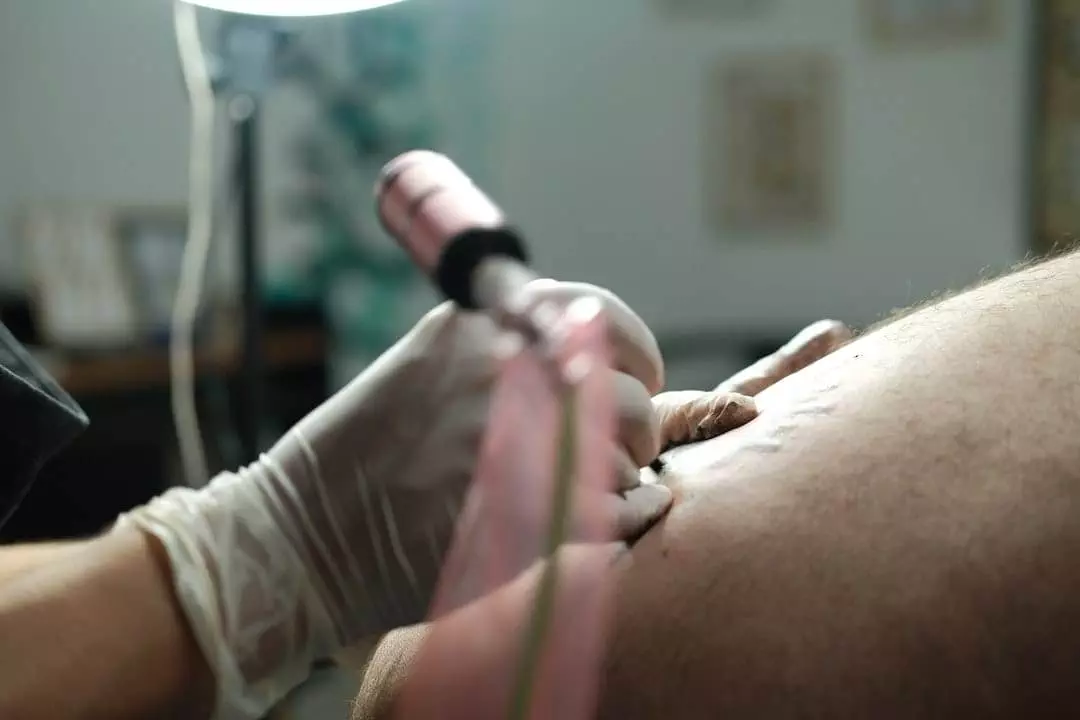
x,y
1055,117
769,144
80,292
153,247
713,9
920,22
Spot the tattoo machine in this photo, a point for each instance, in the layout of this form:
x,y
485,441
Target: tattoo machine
x,y
542,477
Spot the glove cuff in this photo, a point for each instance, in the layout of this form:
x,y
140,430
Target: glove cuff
x,y
243,590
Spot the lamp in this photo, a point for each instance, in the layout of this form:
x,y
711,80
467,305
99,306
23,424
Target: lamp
x,y
245,70
291,8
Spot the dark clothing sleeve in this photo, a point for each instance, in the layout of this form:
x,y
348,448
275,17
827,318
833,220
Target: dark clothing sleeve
x,y
37,420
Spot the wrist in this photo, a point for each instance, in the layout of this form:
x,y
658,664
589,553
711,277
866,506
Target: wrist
x,y
180,672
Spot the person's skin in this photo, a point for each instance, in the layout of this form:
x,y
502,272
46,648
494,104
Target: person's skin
x,y
897,535
92,629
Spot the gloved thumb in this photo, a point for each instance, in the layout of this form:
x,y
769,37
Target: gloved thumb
x,y
691,416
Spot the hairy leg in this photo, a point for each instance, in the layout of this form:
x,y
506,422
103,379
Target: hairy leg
x,y
895,536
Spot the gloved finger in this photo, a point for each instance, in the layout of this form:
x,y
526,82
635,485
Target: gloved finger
x,y
633,513
639,430
627,472
691,416
807,347
634,348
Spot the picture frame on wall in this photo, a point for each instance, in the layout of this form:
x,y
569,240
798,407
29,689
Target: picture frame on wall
x,y
1055,118
80,292
769,145
152,241
929,22
712,9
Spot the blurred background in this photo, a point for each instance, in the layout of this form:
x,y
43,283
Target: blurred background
x,y
734,169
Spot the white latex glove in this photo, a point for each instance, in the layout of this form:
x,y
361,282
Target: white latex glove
x,y
692,416
339,531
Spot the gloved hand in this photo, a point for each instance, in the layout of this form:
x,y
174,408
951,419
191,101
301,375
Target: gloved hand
x,y
339,531
693,416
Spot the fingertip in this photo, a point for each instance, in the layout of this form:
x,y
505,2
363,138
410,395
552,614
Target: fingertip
x,y
661,496
655,380
728,411
614,551
832,332
627,472
667,402
739,404
639,422
637,353
636,349
638,510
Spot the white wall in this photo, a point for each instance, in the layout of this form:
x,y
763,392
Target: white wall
x,y
598,143
93,110
590,138
74,85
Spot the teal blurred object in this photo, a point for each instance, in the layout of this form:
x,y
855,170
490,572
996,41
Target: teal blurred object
x,y
370,112
291,8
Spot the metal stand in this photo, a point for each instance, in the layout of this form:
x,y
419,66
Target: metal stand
x,y
246,73
244,114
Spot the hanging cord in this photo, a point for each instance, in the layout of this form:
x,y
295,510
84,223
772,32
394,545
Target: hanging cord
x,y
557,533
197,248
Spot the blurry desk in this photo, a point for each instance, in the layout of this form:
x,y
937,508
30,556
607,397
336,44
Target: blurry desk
x,y
149,368
128,454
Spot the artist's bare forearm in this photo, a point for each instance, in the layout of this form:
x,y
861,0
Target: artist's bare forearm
x,y
16,562
91,630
